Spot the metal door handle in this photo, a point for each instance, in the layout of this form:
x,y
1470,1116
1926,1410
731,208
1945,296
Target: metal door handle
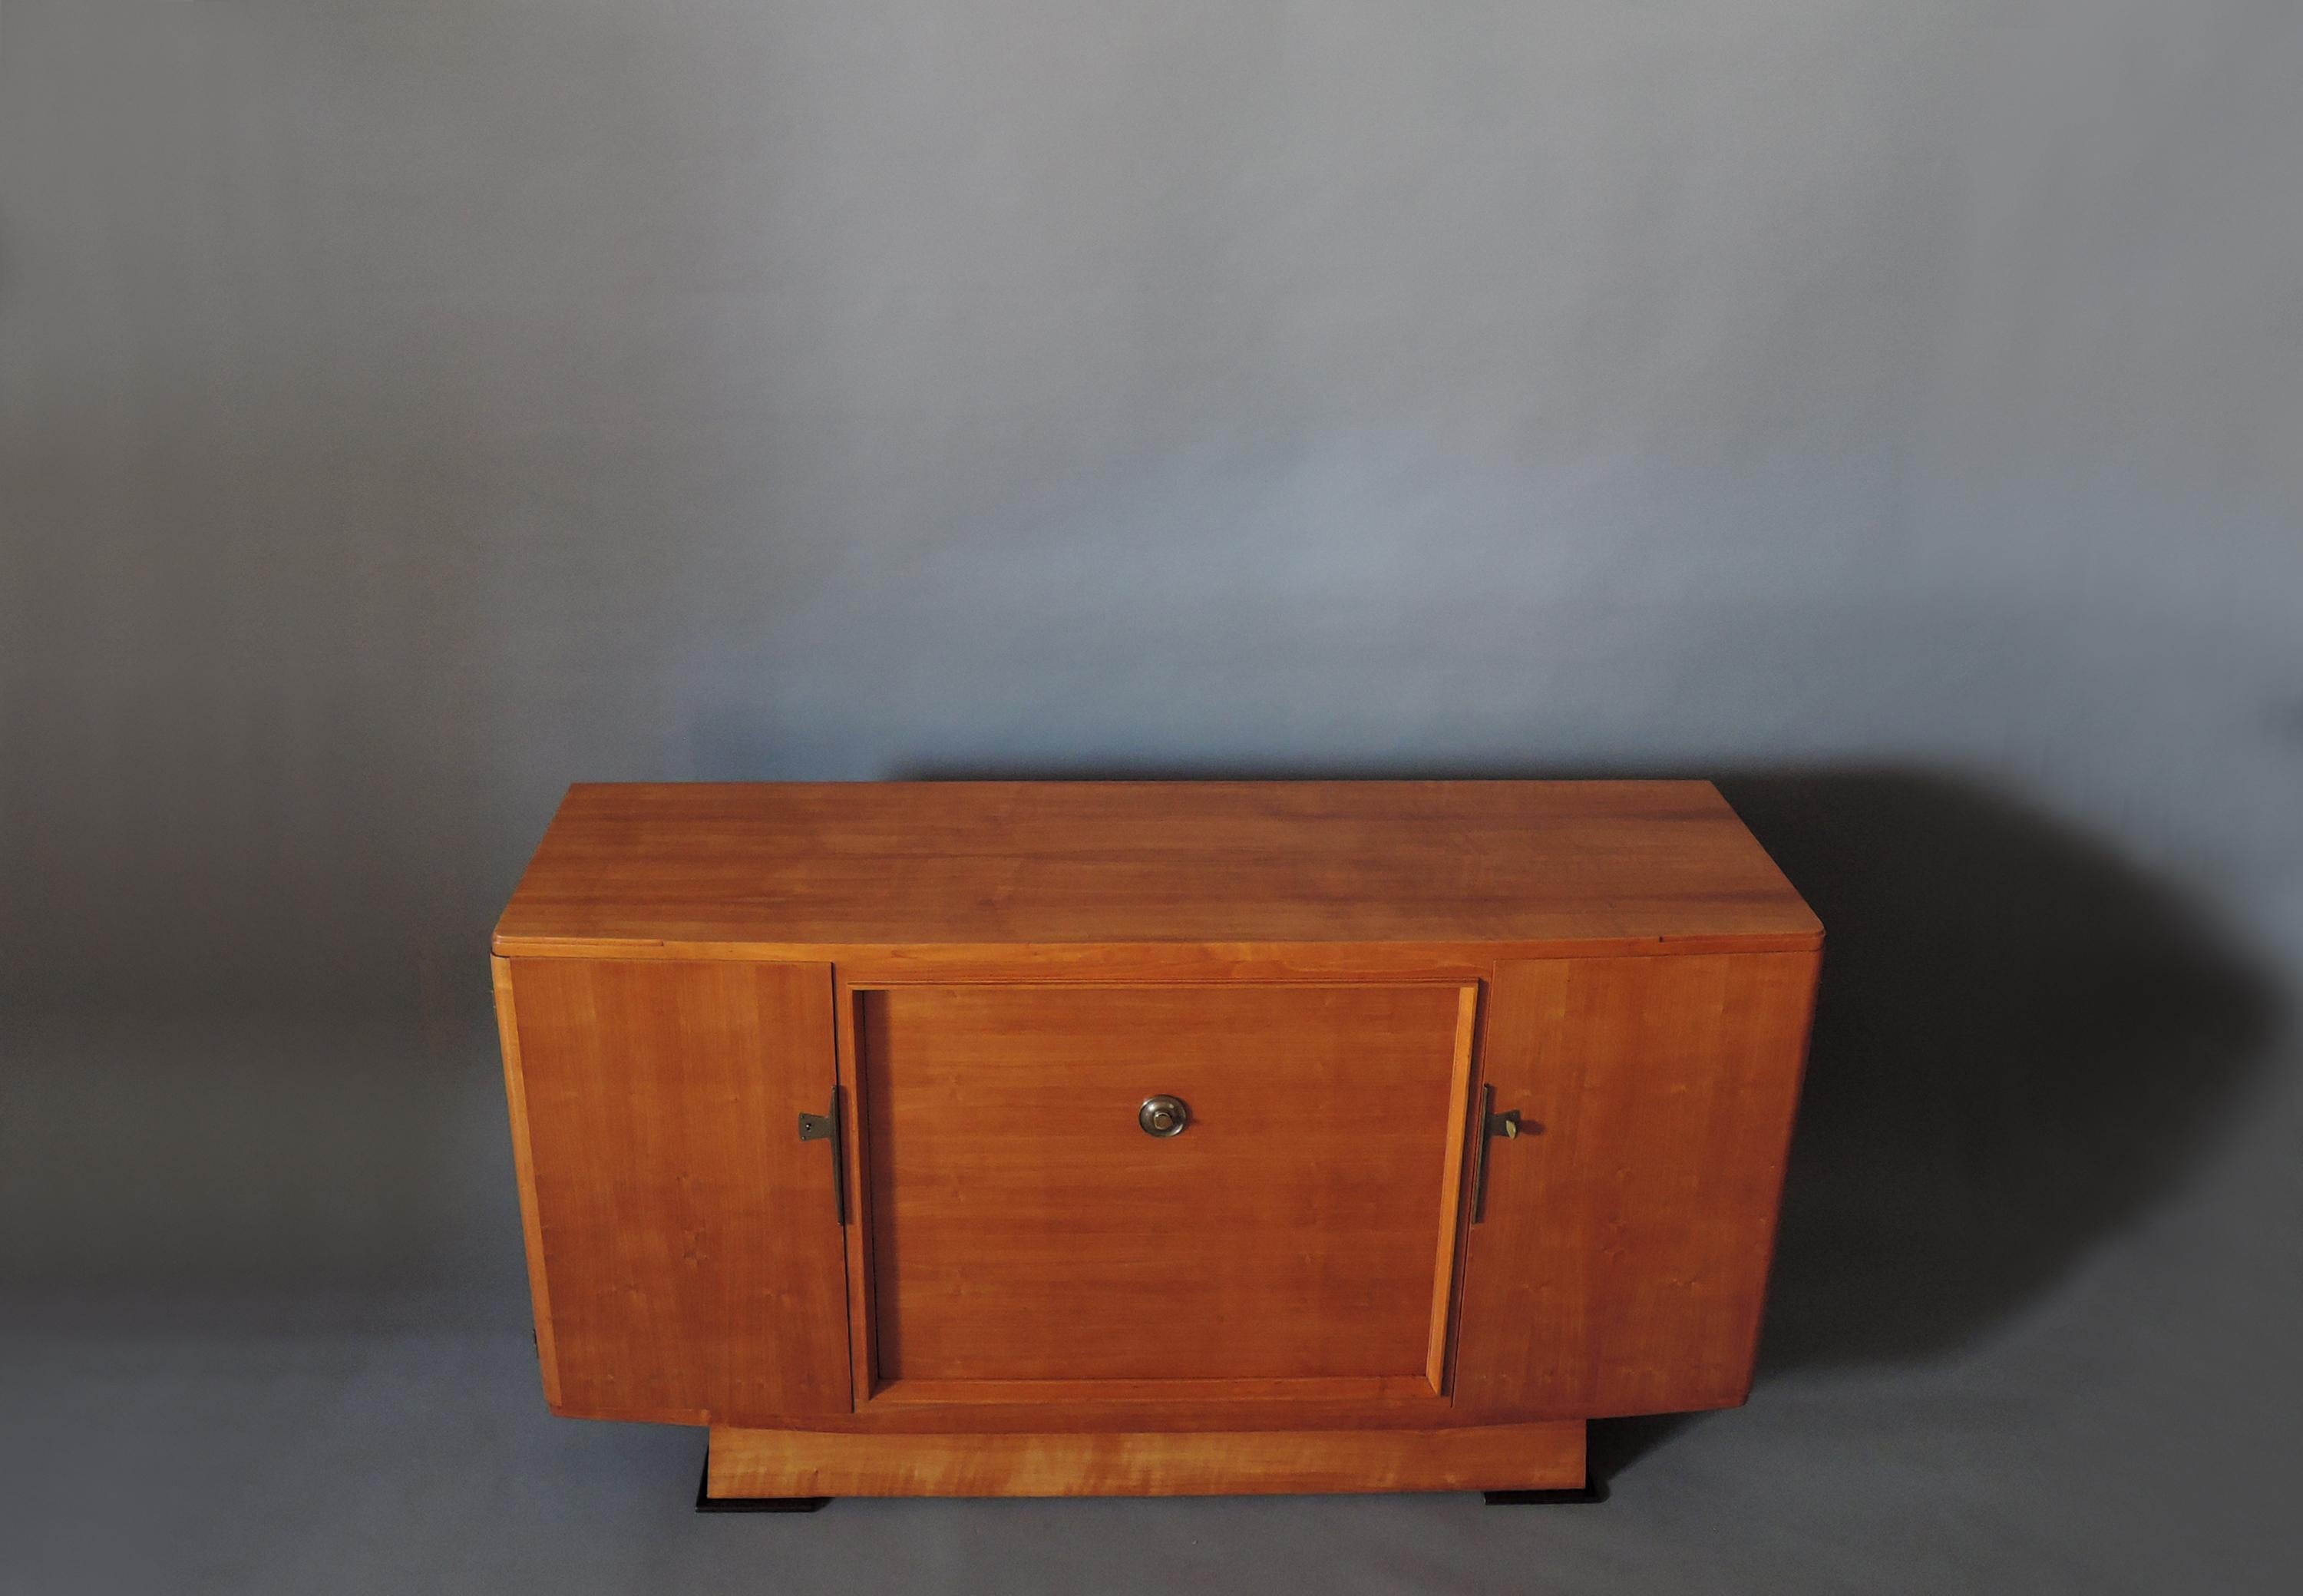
x,y
1508,1125
825,1128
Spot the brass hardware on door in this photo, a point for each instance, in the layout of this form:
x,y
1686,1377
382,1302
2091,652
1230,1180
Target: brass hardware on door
x,y
825,1128
1163,1115
1509,1125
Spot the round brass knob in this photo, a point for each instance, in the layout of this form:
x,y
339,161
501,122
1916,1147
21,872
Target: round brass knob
x,y
1163,1115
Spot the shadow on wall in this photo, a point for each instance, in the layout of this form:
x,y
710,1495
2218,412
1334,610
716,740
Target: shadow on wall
x,y
2020,1044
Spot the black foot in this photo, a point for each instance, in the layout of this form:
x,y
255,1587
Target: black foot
x,y
752,1504
1595,1492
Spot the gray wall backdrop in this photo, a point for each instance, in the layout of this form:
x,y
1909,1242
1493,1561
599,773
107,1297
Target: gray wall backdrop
x,y
1894,409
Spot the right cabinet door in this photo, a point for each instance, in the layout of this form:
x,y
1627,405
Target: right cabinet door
x,y
1620,1258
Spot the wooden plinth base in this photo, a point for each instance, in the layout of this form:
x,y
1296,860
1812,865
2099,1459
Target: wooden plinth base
x,y
799,1464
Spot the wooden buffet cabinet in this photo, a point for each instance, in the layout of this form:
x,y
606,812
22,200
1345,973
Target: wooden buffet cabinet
x,y
1054,1138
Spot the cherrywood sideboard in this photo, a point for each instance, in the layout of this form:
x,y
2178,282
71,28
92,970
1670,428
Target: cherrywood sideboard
x,y
1047,1139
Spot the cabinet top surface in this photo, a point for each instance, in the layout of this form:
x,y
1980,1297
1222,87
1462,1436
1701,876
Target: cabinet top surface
x,y
789,865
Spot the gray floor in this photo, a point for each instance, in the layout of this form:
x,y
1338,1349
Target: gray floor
x,y
2129,1430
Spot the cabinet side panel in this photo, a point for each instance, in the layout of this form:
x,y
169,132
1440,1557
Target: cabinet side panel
x,y
524,1167
691,1243
1623,1261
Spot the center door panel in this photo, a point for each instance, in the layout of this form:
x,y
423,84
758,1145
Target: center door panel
x,y
1027,1238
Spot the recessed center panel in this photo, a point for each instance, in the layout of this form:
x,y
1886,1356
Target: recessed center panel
x,y
1226,1182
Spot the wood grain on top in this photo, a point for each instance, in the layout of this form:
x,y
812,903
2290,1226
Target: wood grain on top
x,y
773,866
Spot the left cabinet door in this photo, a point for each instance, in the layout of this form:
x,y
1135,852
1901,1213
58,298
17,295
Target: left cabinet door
x,y
684,1244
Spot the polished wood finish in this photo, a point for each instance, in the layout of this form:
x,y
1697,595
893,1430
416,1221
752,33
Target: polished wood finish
x,y
836,870
1025,1229
1024,1292
801,1463
1622,1259
686,1243
523,1158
